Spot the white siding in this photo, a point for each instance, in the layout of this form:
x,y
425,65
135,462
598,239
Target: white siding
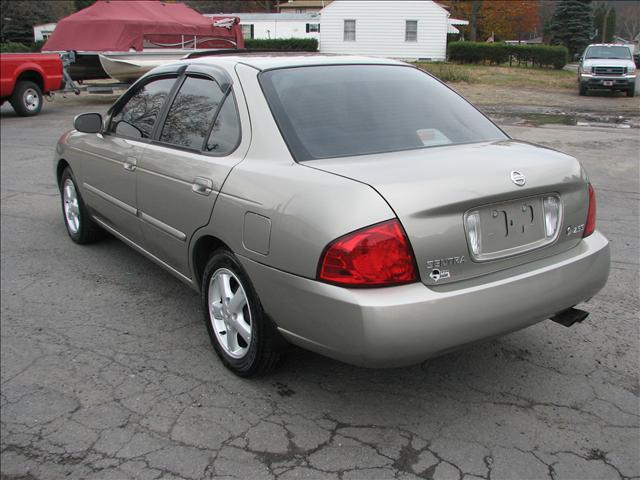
x,y
281,28
380,28
42,32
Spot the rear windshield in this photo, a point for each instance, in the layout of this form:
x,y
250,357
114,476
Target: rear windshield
x,y
608,52
344,110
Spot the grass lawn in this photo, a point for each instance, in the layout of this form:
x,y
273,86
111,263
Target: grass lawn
x,y
501,76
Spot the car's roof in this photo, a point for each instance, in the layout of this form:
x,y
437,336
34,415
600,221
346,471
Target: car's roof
x,y
266,61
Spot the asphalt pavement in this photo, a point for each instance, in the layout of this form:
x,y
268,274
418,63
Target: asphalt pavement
x,y
107,371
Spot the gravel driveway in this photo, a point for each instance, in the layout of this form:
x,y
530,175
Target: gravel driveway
x,y
107,371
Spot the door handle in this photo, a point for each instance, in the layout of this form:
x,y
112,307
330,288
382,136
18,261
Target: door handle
x,y
130,164
202,186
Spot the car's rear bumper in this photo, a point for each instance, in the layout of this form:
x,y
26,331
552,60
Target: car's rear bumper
x,y
403,325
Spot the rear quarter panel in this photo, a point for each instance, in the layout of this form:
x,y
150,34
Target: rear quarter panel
x,y
306,208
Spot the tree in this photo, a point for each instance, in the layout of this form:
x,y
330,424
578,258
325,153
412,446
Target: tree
x,y
505,19
572,25
232,6
509,20
629,25
80,4
604,22
19,16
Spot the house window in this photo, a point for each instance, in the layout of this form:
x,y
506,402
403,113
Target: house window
x,y
349,30
411,31
313,27
247,30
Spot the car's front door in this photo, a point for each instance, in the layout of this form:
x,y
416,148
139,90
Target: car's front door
x,y
183,169
113,157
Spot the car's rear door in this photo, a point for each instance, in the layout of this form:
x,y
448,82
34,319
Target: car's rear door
x,y
111,160
183,169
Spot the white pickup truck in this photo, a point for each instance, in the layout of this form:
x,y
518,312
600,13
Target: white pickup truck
x,y
607,66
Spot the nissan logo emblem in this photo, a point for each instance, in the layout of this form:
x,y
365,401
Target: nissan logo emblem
x,y
518,178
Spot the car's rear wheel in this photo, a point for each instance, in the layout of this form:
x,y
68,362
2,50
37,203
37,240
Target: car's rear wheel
x,y
26,99
242,335
80,227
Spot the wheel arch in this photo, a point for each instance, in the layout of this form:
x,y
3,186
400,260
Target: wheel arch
x,y
60,167
31,76
202,249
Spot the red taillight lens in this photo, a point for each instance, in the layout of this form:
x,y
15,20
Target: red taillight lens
x,y
590,226
375,256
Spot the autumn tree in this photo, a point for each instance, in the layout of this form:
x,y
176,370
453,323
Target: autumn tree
x,y
509,19
505,19
572,25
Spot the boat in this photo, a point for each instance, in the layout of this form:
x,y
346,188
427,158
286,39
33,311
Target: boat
x,y
124,40
128,67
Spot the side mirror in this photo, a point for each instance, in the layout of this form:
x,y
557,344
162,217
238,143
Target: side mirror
x,y
88,123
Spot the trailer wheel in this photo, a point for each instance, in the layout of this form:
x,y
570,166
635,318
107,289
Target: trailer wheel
x,y
26,99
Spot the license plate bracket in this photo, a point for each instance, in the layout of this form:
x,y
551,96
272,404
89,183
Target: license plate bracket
x,y
608,83
510,228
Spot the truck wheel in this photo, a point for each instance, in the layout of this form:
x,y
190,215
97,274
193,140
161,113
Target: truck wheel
x,y
583,90
631,91
26,99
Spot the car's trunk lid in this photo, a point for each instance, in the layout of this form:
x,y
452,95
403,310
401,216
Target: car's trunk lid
x,y
432,189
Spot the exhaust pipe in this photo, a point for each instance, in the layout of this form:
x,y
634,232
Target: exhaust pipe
x,y
570,316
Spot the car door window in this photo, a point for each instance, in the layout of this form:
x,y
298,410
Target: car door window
x,y
191,114
137,117
225,133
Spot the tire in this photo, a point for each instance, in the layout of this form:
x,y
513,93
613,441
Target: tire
x,y
244,338
583,90
631,91
27,99
80,227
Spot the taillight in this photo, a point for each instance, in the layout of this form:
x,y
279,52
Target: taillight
x,y
590,226
375,256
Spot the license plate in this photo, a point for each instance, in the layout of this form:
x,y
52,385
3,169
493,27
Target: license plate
x,y
509,228
607,83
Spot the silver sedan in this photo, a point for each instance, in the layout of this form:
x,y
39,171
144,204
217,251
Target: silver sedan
x,y
356,207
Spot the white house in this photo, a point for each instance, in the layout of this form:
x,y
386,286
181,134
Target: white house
x,y
43,32
405,29
301,6
278,25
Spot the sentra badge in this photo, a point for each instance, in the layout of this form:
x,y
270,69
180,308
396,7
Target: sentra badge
x,y
445,262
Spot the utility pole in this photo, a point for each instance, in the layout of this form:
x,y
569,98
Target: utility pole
x,y
604,24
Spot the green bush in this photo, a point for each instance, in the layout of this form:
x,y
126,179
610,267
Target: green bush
x,y
498,53
14,47
478,52
296,44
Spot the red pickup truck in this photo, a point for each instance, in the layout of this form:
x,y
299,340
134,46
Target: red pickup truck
x,y
25,77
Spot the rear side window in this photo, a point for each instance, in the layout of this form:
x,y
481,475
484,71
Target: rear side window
x,y
344,110
137,117
191,113
225,133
